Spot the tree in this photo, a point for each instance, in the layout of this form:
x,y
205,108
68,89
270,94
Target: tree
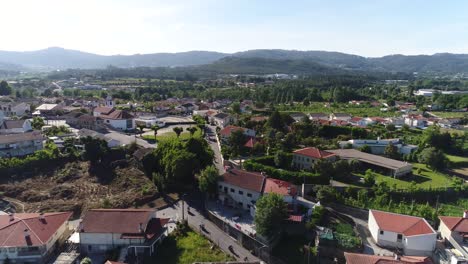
x,y
369,178
155,129
191,130
178,131
208,179
325,194
95,149
37,123
141,127
365,148
236,108
86,261
391,151
275,120
5,88
433,158
282,160
270,213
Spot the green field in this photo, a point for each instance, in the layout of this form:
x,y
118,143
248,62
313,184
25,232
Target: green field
x,y
449,114
455,209
426,179
361,111
457,159
188,249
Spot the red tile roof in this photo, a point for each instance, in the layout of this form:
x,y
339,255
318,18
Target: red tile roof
x,y
121,221
103,110
402,224
280,187
314,153
458,224
117,114
229,129
12,231
355,258
244,179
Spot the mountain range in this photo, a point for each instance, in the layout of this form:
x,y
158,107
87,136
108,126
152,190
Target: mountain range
x,y
252,61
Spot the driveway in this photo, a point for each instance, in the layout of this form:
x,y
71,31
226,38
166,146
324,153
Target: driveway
x,y
211,231
360,218
218,157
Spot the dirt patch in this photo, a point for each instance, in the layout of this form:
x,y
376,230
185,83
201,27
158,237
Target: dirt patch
x,y
74,187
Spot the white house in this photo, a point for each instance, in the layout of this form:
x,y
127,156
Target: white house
x,y
118,119
283,188
21,144
15,126
111,143
412,234
137,230
305,158
226,132
454,230
240,188
31,237
340,116
222,119
378,146
14,109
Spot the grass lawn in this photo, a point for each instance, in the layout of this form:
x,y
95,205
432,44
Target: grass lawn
x,y
455,209
188,249
457,159
426,179
291,249
449,114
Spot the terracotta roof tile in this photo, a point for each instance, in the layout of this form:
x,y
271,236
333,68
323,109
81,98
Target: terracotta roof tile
x,y
355,258
245,179
314,153
12,232
458,224
229,129
280,187
403,224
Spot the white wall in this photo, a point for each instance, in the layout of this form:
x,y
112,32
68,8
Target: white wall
x,y
103,241
243,198
419,245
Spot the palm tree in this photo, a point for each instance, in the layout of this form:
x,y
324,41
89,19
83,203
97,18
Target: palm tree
x,y
191,130
155,129
141,127
178,131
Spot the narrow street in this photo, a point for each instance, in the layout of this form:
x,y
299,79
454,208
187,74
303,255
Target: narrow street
x,y
210,230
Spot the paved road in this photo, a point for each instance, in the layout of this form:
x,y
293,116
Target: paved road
x,y
211,231
218,160
360,218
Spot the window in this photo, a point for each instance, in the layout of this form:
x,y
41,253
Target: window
x,y
90,247
399,237
248,206
225,189
221,187
241,192
381,232
232,190
249,195
241,204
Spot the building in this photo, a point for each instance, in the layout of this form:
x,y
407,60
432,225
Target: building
x,y
118,119
240,188
45,109
283,188
226,132
394,168
32,237
111,143
14,109
298,117
318,116
85,121
454,230
21,144
340,116
305,158
137,230
149,121
15,126
355,258
411,234
378,146
222,119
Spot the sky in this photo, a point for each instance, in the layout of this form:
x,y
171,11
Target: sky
x,y
367,27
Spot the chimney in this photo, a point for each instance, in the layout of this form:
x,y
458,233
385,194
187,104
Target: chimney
x,y
140,228
12,217
42,217
26,233
465,214
397,257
